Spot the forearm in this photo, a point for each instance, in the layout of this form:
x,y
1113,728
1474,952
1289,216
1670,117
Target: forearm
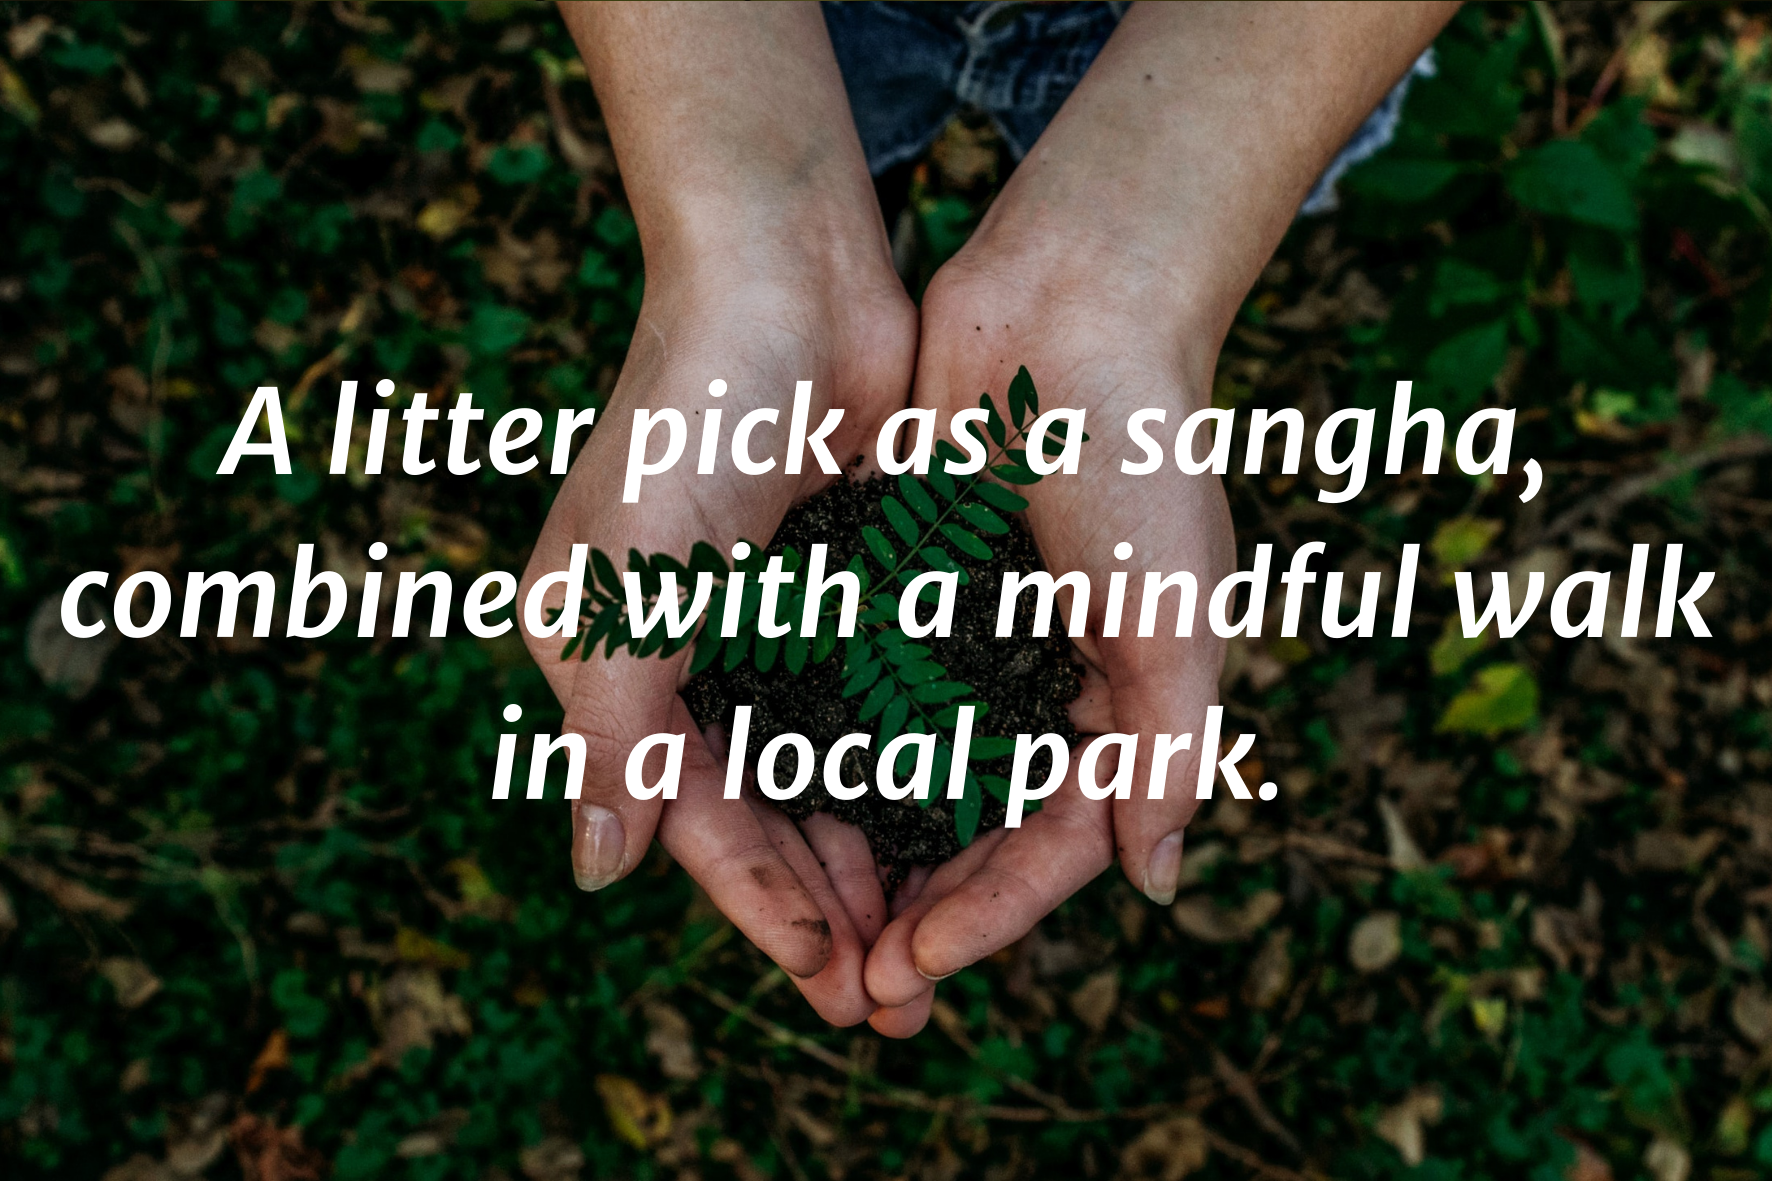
x,y
1176,165
732,131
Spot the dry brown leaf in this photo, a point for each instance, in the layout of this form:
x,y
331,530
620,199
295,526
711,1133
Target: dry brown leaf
x,y
1096,998
1205,920
1667,1160
1376,941
134,983
1167,1150
1270,974
411,1008
274,1056
70,665
1405,854
269,1153
1403,1126
671,1039
554,1159
68,894
1588,1165
1751,1011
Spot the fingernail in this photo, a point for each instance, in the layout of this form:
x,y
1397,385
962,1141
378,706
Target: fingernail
x,y
597,846
944,976
1163,871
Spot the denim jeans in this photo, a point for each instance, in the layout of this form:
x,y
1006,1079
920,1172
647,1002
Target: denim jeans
x,y
909,67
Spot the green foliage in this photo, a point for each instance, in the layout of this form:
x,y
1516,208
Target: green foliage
x,y
902,690
292,838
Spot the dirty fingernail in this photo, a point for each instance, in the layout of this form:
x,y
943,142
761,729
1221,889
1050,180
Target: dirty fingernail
x,y
1163,871
598,842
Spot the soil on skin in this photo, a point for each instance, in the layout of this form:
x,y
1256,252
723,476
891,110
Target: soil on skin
x,y
1026,682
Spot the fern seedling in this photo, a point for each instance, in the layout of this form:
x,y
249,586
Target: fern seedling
x,y
658,605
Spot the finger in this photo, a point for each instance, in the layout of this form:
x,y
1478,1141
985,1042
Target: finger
x,y
907,1020
892,977
848,861
836,992
721,844
614,705
1051,856
910,889
1150,703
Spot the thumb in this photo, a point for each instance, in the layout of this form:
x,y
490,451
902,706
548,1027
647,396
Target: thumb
x,y
613,705
1156,705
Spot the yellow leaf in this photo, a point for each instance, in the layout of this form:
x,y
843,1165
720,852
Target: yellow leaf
x,y
1489,1014
1459,540
441,218
1452,649
417,948
1500,697
639,1118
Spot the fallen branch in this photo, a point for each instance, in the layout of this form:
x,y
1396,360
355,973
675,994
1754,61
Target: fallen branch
x,y
1604,505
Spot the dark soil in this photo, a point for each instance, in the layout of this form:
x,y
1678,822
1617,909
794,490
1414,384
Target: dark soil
x,y
1027,683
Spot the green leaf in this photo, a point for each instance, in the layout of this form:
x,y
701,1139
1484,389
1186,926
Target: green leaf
x,y
967,810
966,542
861,678
997,786
876,700
994,423
1570,179
735,650
1022,398
980,517
949,717
900,519
917,497
939,479
767,649
989,746
707,650
703,556
1401,181
604,571
1001,497
824,643
893,718
879,546
939,559
1501,697
1467,364
1014,474
919,671
794,653
936,692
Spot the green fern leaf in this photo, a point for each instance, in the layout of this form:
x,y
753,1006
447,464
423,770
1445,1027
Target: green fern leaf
x,y
900,519
918,497
879,546
999,496
965,542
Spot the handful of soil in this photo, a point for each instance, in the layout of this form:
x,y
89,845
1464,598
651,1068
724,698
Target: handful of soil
x,y
1026,682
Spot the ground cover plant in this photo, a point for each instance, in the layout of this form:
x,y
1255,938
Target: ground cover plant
x,y
1509,916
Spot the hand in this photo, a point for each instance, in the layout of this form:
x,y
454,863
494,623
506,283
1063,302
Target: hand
x,y
766,264
1088,346
760,335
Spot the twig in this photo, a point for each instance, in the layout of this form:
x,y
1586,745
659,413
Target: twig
x,y
1603,506
1330,849
1240,1085
1051,1110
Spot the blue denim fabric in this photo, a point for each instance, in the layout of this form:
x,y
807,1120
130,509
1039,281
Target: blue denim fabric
x,y
909,68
